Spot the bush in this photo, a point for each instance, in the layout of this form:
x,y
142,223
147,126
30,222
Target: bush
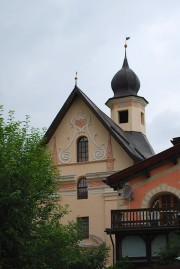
x,y
95,258
168,254
125,263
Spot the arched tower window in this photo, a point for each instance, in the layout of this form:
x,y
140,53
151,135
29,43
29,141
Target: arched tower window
x,y
82,149
82,192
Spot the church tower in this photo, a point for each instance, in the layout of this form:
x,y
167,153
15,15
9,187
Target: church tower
x,y
127,108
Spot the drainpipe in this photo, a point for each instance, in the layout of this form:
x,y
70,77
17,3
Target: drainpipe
x,y
113,248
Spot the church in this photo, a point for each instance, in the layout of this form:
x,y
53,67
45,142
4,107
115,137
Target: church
x,y
89,147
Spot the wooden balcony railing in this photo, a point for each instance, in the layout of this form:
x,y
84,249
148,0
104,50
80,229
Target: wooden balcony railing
x,y
145,218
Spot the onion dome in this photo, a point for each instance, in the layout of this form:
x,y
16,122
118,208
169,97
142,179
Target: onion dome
x,y
125,82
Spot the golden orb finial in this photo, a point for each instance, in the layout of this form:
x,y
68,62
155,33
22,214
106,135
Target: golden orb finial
x,y
125,45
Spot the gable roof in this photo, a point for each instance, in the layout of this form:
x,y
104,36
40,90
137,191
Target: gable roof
x,y
135,144
144,167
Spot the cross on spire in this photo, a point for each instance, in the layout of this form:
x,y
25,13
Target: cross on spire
x,y
76,78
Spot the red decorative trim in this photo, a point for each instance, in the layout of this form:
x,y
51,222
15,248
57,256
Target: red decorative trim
x,y
55,154
81,163
95,184
68,186
110,159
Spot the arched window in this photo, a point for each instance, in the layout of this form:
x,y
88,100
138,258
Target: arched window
x,y
82,149
166,201
166,206
82,192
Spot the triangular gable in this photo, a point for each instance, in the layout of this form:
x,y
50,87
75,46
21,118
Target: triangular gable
x,y
123,138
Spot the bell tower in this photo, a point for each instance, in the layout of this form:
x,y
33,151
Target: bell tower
x,y
127,108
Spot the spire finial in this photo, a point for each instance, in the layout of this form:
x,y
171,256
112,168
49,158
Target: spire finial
x,y
76,78
125,45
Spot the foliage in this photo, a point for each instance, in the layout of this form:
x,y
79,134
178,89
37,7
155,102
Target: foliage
x,y
54,246
31,233
125,263
168,254
27,182
95,258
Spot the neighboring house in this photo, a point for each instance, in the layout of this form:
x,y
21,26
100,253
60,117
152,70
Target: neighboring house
x,y
88,146
149,205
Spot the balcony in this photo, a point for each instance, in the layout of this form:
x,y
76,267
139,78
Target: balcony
x,y
146,218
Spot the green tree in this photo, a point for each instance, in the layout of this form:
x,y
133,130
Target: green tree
x,y
27,182
168,254
31,233
54,246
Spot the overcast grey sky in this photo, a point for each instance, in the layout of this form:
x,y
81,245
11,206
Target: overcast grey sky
x,y
44,42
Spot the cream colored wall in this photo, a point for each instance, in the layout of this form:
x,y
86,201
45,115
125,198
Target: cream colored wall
x,y
122,159
110,203
93,207
101,199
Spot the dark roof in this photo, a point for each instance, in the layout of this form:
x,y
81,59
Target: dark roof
x,y
175,140
135,144
125,82
144,167
141,143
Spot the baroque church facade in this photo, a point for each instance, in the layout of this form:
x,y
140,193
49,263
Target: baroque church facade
x,y
88,146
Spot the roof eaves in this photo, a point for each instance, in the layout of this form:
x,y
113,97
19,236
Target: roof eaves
x,y
112,98
49,133
142,166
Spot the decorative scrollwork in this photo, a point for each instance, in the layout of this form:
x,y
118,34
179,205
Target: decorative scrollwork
x,y
64,156
99,153
81,123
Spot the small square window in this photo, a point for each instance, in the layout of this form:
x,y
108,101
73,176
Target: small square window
x,y
123,116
